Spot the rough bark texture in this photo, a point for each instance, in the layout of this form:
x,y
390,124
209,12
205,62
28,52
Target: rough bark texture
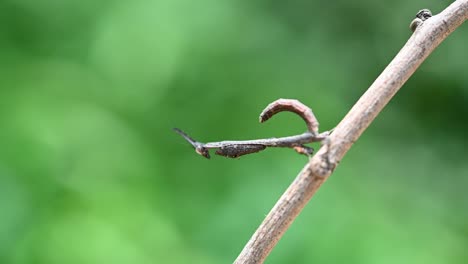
x,y
425,39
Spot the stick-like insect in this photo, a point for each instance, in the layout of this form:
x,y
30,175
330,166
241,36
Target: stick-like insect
x,y
234,149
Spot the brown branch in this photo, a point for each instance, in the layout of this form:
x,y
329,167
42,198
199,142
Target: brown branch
x,y
427,36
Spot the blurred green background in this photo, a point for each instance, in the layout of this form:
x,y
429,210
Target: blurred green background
x,y
91,172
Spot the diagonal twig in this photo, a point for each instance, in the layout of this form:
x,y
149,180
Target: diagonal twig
x,y
428,34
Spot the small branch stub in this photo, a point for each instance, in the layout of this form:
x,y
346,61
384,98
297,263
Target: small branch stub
x,y
421,16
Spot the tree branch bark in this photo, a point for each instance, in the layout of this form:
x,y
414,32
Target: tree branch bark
x,y
425,39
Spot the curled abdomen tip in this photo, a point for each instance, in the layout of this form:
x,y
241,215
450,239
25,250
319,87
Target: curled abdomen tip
x,y
291,105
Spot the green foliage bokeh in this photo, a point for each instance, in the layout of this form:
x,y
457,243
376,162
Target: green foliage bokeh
x,y
90,171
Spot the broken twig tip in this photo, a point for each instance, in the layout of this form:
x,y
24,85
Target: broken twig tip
x,y
421,16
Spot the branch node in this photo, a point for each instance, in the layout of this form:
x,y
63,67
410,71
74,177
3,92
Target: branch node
x,y
324,165
421,16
